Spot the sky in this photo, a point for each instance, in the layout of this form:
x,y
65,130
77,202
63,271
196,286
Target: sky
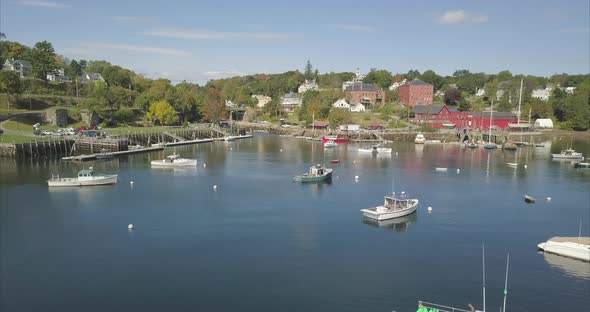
x,y
201,40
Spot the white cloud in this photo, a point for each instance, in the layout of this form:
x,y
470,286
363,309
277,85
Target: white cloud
x,y
156,50
98,49
133,19
45,4
217,35
461,16
355,28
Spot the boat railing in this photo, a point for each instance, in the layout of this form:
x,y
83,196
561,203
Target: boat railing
x,y
440,307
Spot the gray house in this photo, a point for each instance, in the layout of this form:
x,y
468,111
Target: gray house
x,y
21,67
88,77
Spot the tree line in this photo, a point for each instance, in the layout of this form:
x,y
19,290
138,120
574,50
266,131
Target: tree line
x,y
126,96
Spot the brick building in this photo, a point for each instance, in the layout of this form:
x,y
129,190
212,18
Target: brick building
x,y
364,93
416,92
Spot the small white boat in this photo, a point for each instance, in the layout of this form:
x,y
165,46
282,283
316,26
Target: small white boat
x,y
420,139
86,177
573,247
512,165
173,161
490,146
568,154
376,149
329,144
440,169
582,165
392,208
432,142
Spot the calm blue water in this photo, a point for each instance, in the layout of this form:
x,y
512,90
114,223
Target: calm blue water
x,y
264,243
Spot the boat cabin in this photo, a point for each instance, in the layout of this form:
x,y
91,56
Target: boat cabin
x,y
397,203
86,173
171,158
316,171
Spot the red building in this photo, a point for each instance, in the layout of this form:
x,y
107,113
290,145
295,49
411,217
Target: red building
x,y
440,116
416,92
364,93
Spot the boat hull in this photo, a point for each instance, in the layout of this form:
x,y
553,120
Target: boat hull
x,y
95,181
163,164
559,156
335,139
567,247
373,214
305,178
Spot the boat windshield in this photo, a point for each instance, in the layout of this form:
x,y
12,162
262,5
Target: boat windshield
x,y
397,203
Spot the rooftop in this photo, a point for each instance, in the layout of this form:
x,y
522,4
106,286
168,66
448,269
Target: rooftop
x,y
418,82
361,86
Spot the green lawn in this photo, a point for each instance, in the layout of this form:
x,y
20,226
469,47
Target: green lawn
x,y
15,138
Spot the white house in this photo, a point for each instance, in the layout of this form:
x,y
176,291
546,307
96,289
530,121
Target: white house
x,y
357,108
229,103
20,66
480,92
341,103
262,100
308,85
357,78
397,84
290,101
57,75
570,90
542,94
94,77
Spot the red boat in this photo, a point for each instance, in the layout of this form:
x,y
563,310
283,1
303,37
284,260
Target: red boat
x,y
334,138
335,161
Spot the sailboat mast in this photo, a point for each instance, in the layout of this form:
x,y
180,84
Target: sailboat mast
x,y
519,102
506,283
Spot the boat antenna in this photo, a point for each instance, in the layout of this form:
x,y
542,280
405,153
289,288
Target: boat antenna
x,y
483,259
506,282
392,185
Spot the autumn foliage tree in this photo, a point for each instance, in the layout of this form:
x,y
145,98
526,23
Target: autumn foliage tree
x,y
162,112
213,106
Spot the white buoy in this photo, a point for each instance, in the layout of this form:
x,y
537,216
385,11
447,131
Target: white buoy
x,y
548,199
356,177
281,149
204,165
429,209
395,153
131,182
354,161
231,148
525,166
458,171
130,226
215,187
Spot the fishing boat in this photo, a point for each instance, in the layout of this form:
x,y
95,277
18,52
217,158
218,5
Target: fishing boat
x,y
573,247
582,165
568,153
86,177
173,161
329,144
104,154
377,148
316,173
393,207
420,139
334,138
509,146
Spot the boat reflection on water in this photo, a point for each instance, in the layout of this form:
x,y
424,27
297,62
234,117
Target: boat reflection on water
x,y
569,266
398,225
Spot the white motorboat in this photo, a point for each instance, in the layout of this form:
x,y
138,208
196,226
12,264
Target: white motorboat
x,y
582,165
432,142
420,139
173,161
568,154
329,144
393,207
376,149
512,165
86,177
573,247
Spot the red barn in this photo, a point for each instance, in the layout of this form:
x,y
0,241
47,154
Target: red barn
x,y
440,116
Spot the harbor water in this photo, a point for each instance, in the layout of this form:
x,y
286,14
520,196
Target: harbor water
x,y
261,242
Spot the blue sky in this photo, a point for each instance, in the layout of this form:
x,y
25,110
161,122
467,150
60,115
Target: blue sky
x,y
200,40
